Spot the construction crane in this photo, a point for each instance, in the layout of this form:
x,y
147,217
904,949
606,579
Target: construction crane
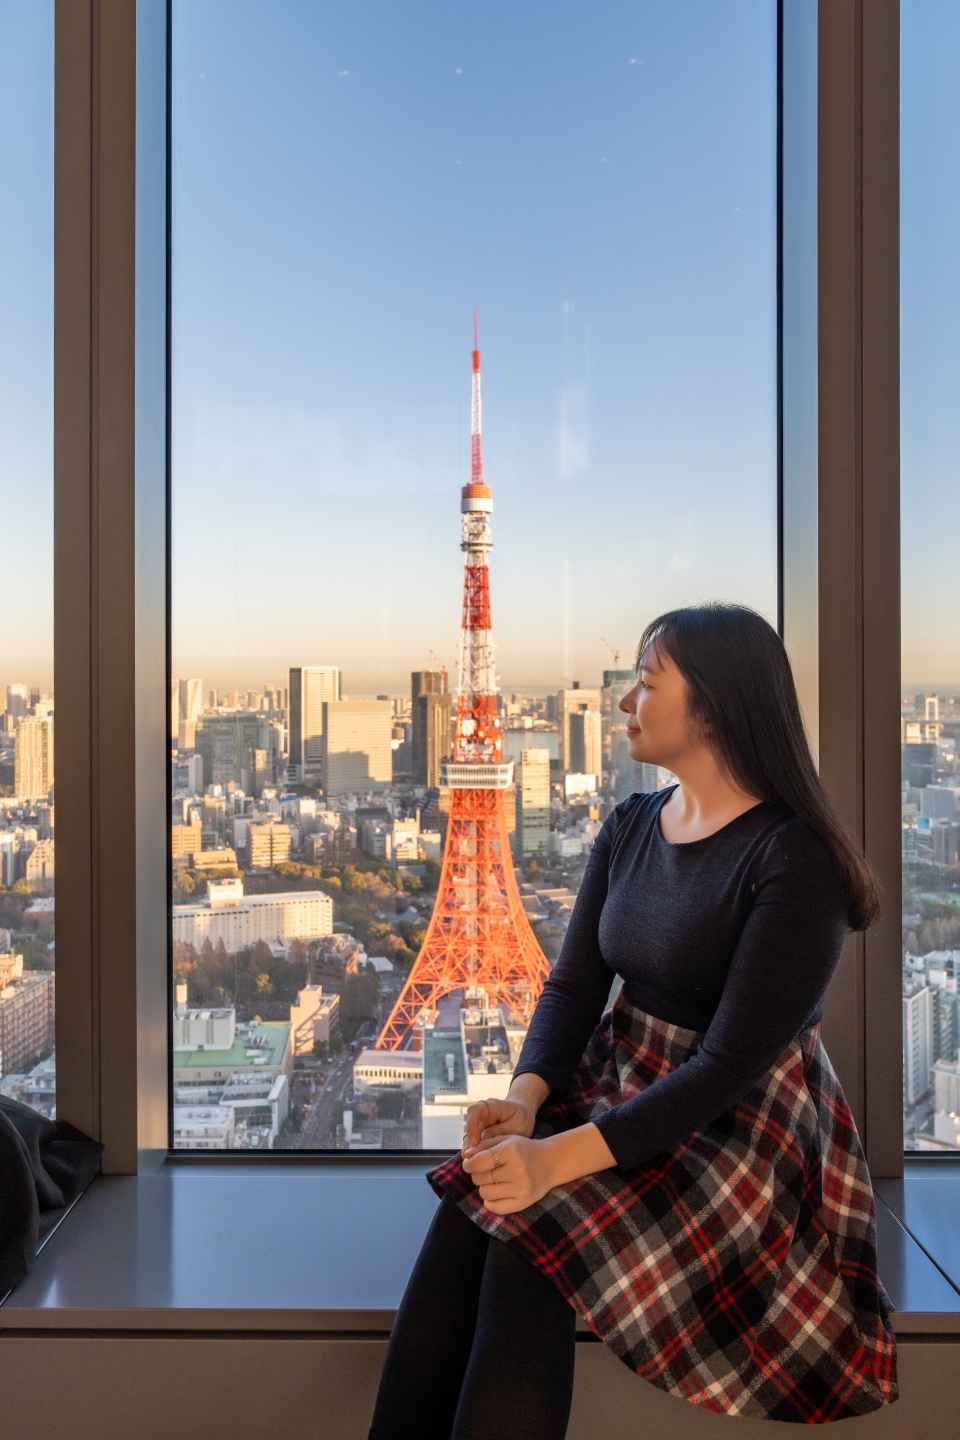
x,y
436,660
613,652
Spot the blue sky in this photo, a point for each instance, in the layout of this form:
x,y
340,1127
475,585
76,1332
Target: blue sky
x,y
930,339
26,340
614,223
349,182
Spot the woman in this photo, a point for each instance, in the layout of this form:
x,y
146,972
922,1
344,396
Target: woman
x,y
681,1171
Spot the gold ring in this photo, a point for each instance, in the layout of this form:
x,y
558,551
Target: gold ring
x,y
497,1161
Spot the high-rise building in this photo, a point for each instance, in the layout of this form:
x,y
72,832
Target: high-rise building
x,y
532,779
433,736
186,707
356,750
575,702
586,747
33,757
226,742
917,1043
16,701
311,687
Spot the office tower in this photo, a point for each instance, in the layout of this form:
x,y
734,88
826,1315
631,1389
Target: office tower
x,y
427,719
356,751
225,742
586,749
33,758
479,934
16,701
532,777
186,707
616,684
574,702
432,736
191,700
311,686
257,772
917,1043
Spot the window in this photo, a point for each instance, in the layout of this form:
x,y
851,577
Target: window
x,y
349,186
27,1066
930,233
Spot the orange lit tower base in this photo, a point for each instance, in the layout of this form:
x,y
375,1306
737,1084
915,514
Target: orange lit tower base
x,y
479,934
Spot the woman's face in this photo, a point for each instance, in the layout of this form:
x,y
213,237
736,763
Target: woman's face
x,y
658,726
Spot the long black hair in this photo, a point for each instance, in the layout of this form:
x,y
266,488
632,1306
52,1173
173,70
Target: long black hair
x,y
743,701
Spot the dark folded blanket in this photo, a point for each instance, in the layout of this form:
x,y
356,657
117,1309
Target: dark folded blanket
x,y
44,1166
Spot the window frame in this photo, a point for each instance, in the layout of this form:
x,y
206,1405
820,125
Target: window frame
x,y
838,537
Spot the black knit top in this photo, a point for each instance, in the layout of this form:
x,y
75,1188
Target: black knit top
x,y
736,935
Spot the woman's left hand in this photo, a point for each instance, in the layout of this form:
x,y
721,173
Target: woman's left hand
x,y
510,1173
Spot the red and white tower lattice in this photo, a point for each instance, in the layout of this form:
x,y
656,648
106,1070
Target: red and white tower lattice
x,y
479,933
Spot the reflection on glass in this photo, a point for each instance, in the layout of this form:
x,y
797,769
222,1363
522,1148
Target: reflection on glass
x,y
930,458
349,185
27,1064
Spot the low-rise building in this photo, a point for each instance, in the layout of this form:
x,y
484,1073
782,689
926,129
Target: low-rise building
x,y
203,1127
314,1018
260,1047
40,867
241,920
186,839
223,858
379,1070
267,845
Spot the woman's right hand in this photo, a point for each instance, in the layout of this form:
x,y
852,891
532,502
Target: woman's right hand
x,y
488,1119
515,1115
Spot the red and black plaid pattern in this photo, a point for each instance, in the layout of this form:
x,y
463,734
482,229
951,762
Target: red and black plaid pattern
x,y
737,1270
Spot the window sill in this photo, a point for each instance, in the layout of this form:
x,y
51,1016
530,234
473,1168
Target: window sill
x,y
295,1249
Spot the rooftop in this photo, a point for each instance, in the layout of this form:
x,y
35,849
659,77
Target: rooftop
x,y
249,901
262,1043
441,1073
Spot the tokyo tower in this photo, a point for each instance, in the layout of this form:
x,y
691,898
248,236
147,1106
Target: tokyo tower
x,y
479,934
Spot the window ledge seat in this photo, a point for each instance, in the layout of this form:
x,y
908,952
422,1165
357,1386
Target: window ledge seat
x,y
329,1248
209,1290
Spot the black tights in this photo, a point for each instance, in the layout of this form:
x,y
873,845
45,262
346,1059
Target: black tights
x,y
483,1345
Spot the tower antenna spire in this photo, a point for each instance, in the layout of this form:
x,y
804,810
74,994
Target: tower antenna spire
x,y
479,934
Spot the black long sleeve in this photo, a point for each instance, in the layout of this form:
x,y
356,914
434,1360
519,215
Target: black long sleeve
x,y
736,936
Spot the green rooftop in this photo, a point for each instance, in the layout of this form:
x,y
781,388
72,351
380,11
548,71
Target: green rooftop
x,y
264,1045
438,1043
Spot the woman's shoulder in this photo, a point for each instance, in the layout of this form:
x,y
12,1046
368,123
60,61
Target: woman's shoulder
x,y
793,850
634,815
640,807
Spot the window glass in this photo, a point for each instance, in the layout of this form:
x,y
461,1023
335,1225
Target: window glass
x,y
930,464
350,185
27,1064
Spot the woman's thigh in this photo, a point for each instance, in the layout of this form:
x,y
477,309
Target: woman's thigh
x,y
433,1333
519,1382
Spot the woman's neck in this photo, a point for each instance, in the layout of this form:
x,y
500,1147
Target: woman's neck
x,y
703,802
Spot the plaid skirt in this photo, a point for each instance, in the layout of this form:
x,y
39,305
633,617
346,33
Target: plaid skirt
x,y
736,1270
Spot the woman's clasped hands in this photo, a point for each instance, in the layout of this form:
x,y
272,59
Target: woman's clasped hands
x,y
510,1170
